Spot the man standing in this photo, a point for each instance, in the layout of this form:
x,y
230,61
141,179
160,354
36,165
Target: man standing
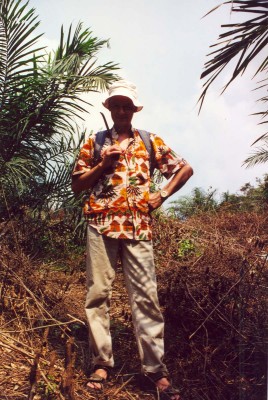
x,y
119,224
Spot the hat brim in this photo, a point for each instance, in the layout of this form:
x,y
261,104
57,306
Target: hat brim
x,y
136,103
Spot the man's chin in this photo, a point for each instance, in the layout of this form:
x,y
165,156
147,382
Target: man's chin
x,y
122,125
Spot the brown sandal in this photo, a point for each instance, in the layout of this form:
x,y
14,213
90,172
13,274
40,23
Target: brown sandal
x,y
96,378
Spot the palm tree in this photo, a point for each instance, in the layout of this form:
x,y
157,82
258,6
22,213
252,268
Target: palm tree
x,y
41,106
245,41
199,201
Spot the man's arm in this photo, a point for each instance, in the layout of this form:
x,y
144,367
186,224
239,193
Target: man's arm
x,y
177,181
88,179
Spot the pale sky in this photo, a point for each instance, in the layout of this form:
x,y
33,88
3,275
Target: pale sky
x,y
161,46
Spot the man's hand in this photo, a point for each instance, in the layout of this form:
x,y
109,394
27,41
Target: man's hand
x,y
88,179
177,181
155,201
110,154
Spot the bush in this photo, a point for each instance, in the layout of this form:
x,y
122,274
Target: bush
x,y
214,302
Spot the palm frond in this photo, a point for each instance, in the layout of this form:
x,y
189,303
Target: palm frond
x,y
245,40
242,43
41,106
16,172
16,42
259,156
74,62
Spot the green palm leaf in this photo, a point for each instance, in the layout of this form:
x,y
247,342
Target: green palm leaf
x,y
41,107
243,42
259,156
16,28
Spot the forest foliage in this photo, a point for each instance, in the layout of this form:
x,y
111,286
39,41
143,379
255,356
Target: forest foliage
x,y
41,106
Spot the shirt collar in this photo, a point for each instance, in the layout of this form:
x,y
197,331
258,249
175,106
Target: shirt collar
x,y
115,134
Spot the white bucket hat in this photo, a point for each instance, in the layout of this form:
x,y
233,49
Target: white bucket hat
x,y
123,88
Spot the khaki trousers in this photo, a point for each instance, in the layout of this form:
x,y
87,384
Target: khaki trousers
x,y
139,273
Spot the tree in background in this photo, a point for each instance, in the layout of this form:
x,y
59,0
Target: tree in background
x,y
200,201
40,102
244,41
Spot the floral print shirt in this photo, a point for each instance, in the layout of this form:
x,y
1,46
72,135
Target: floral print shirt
x,y
117,206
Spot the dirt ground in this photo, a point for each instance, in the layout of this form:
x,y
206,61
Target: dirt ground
x,y
47,355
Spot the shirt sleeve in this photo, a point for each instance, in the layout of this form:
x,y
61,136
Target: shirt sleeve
x,y
85,158
167,161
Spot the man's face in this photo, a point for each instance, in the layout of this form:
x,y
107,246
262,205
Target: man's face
x,y
122,110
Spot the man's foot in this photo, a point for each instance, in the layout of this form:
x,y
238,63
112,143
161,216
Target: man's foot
x,y
97,379
166,391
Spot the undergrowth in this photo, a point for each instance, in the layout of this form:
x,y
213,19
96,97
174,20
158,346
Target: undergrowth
x,y
212,279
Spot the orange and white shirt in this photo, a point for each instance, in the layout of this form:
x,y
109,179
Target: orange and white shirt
x,y
117,206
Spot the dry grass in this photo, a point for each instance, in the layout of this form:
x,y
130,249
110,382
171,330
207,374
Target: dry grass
x,y
215,300
212,275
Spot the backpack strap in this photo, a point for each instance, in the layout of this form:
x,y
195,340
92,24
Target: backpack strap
x,y
145,136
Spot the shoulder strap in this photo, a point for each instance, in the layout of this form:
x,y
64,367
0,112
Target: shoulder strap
x,y
99,142
145,136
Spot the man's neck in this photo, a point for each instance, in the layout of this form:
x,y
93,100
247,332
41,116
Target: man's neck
x,y
123,131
